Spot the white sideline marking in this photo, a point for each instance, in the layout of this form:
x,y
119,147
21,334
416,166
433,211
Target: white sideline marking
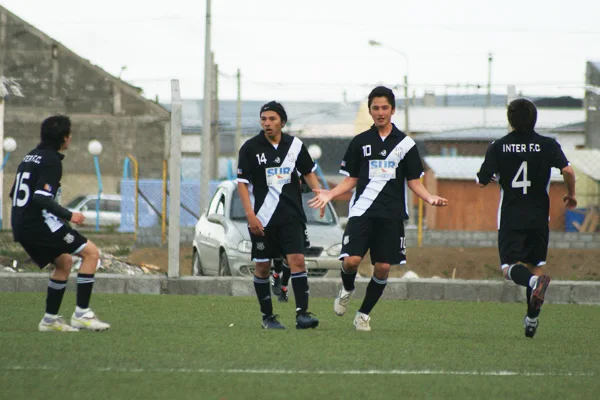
x,y
309,372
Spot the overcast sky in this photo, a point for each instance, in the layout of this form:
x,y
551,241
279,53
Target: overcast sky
x,y
315,49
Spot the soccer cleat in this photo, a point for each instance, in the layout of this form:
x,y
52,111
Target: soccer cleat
x,y
271,322
57,324
531,326
538,291
305,320
283,296
361,322
276,284
88,321
340,305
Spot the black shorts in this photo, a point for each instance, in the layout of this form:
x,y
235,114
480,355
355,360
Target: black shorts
x,y
45,249
383,237
279,241
528,246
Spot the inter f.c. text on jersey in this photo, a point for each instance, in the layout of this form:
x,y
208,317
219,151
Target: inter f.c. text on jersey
x,y
382,165
521,163
35,212
270,172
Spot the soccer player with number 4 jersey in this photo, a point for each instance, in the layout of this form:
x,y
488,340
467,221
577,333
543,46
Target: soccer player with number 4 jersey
x,y
521,162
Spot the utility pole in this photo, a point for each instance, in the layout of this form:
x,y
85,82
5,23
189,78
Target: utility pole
x,y
489,84
175,179
214,124
238,117
406,106
205,148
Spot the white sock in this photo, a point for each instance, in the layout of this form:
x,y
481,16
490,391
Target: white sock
x,y
531,321
50,317
533,281
80,311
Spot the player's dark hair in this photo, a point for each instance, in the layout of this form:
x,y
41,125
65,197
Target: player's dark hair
x,y
278,108
522,115
382,91
55,130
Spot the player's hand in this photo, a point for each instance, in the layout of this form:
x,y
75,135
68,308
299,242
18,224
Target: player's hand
x,y
255,226
322,197
570,201
437,201
77,218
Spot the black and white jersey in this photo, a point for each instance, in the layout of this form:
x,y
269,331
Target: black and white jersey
x,y
271,174
382,166
521,163
37,184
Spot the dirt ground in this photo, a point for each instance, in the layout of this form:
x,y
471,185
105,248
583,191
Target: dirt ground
x,y
427,262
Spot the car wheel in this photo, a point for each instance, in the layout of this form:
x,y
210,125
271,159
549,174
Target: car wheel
x,y
224,265
197,265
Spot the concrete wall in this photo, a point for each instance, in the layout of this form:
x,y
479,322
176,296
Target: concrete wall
x,y
54,80
560,292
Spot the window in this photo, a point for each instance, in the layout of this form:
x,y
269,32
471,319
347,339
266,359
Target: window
x,y
214,203
221,206
111,205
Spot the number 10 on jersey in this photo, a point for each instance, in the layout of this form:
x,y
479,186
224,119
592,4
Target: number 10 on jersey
x,y
524,183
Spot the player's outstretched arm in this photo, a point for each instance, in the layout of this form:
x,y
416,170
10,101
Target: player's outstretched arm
x,y
324,196
417,187
569,178
313,182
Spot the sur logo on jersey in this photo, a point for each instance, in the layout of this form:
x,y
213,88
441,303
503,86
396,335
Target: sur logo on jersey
x,y
382,169
278,175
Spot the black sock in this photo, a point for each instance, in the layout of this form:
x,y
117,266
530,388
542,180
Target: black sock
x,y
520,274
277,266
263,293
348,279
300,285
531,311
85,284
374,292
286,274
56,290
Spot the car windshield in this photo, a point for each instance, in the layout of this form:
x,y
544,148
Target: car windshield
x,y
73,203
312,215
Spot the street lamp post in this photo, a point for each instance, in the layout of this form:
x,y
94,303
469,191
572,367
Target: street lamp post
x,y
95,148
9,146
375,43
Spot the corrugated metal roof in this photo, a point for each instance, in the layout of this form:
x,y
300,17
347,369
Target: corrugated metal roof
x,y
585,160
464,168
488,134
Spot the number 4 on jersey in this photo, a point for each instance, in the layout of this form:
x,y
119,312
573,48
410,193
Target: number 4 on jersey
x,y
524,183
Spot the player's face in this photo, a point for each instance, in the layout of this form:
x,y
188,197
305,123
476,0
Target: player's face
x,y
271,124
381,111
66,143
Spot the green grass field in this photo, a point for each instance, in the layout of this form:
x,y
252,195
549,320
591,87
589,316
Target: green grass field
x,y
183,347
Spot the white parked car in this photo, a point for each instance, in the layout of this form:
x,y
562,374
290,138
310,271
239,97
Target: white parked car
x,y
110,209
222,241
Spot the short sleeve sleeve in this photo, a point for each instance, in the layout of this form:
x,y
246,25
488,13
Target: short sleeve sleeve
x,y
350,165
305,164
49,180
559,160
489,167
412,164
244,169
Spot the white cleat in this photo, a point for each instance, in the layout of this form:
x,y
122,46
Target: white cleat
x,y
361,322
340,305
88,321
57,324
